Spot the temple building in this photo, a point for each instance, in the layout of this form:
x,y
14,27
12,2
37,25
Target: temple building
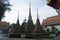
x,y
55,20
17,26
15,29
52,21
23,26
4,27
30,25
38,27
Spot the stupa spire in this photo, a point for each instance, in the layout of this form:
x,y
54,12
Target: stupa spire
x,y
30,17
18,18
37,13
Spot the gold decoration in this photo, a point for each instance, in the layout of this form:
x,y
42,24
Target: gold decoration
x,y
47,1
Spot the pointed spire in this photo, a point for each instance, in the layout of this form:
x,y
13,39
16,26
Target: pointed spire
x,y
25,19
29,4
38,27
18,28
18,14
37,13
18,18
29,8
30,24
37,16
37,21
30,17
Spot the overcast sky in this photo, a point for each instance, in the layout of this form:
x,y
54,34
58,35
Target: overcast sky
x,y
22,6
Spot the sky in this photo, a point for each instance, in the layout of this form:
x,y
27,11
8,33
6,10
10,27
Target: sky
x,y
22,7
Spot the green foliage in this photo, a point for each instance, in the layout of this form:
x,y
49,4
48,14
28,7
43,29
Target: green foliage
x,y
16,28
13,24
15,36
3,7
48,31
54,30
29,35
36,36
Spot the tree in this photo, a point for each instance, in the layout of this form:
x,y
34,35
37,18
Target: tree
x,y
48,31
54,30
13,24
4,6
54,3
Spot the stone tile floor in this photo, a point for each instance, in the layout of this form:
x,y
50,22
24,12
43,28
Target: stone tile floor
x,y
6,38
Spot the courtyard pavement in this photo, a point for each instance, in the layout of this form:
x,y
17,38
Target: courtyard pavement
x,y
6,38
22,39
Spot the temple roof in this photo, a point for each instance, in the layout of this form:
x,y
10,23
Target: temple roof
x,y
52,20
4,24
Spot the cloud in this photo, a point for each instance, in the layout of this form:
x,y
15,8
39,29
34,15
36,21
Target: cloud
x,y
23,7
20,6
46,11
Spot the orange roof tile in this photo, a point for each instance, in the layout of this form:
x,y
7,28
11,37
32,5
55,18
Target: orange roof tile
x,y
52,20
3,24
